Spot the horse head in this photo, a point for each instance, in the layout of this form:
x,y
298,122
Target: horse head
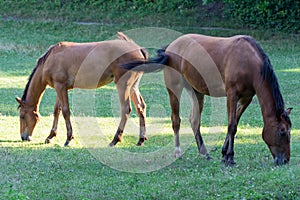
x,y
28,119
277,137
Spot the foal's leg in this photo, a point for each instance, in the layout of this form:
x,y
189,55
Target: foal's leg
x,y
243,104
174,84
195,120
124,98
175,106
140,107
228,147
62,95
228,152
57,110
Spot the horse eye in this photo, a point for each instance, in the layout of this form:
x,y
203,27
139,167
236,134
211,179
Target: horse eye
x,y
22,117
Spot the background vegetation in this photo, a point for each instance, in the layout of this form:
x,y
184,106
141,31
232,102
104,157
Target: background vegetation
x,y
280,15
33,170
277,15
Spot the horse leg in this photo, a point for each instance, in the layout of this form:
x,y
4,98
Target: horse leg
x,y
124,93
228,147
195,120
243,104
175,106
62,95
140,107
174,83
57,110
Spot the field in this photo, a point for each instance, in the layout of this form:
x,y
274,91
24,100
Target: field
x,y
89,170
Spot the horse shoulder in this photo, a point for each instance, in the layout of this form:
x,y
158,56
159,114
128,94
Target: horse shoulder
x,y
55,68
243,65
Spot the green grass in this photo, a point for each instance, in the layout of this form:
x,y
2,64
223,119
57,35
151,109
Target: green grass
x,y
33,170
37,171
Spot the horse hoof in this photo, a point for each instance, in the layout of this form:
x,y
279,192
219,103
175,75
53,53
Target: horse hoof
x,y
229,163
47,141
178,155
141,141
177,152
114,142
67,143
111,144
207,157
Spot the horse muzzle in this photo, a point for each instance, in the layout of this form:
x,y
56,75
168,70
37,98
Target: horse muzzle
x,y
26,137
281,160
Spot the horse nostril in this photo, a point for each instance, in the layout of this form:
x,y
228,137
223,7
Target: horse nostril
x,y
280,161
25,136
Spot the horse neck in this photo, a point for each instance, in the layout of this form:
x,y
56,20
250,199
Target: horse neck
x,y
266,101
35,90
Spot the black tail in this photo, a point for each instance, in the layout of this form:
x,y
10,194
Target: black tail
x,y
151,65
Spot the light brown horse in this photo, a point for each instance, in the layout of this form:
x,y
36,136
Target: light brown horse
x,y
68,65
235,67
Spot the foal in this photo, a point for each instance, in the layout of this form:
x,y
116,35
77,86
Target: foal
x,y
69,65
235,67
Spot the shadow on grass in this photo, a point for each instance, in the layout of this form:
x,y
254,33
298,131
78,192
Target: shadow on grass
x,y
11,141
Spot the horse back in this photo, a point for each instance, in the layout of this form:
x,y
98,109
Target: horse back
x,y
211,65
85,65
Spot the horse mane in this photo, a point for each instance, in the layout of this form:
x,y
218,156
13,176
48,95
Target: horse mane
x,y
40,61
268,74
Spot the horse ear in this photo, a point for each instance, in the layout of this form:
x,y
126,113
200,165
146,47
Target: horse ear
x,y
288,111
19,100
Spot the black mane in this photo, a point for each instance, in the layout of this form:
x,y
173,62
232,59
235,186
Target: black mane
x,y
40,61
28,83
268,74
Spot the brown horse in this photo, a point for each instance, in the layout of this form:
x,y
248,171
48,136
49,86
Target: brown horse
x,y
69,65
235,67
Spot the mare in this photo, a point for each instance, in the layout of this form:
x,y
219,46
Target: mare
x,y
69,65
235,67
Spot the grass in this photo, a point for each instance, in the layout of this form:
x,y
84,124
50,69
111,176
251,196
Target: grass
x,y
33,170
37,171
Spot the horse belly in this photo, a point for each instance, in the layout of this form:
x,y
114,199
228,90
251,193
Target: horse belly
x,y
208,82
90,81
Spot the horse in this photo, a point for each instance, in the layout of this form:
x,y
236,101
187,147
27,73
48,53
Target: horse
x,y
68,65
235,67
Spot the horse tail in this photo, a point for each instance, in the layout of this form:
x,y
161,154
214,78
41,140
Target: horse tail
x,y
151,65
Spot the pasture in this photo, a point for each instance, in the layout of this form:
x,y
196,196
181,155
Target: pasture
x,y
89,170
